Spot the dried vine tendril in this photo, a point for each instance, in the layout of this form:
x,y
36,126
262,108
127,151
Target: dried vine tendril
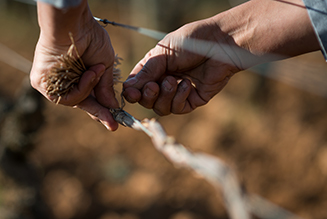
x,y
67,72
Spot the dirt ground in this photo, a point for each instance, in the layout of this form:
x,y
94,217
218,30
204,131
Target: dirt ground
x,y
57,163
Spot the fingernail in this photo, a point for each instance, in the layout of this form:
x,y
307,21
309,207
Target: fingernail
x,y
150,93
183,85
167,85
131,81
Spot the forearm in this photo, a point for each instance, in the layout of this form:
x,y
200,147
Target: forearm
x,y
56,23
263,27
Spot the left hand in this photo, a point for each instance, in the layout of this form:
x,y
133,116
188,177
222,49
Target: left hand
x,y
94,93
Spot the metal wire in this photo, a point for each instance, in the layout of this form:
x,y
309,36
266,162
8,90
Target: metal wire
x,y
239,204
154,34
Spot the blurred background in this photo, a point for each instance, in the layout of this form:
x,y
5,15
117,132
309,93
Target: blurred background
x,y
57,163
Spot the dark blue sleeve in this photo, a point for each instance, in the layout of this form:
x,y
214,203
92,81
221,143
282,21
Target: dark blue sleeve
x,y
63,3
317,10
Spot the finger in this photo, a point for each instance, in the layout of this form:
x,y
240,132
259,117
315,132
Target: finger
x,y
86,84
138,67
195,98
98,113
132,95
167,92
180,103
149,95
151,68
104,90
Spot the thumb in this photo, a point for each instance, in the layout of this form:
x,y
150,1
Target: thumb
x,y
104,91
86,84
150,68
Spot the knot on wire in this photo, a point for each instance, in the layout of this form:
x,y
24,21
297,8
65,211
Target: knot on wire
x,y
122,117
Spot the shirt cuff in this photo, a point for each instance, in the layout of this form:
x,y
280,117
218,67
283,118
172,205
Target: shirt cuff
x,y
62,3
317,10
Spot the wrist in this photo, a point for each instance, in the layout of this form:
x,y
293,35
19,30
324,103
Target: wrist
x,y
268,30
55,24
235,26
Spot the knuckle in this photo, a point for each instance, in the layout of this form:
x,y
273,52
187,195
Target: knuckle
x,y
161,112
145,73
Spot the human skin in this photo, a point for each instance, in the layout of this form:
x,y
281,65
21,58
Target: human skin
x,y
172,79
94,93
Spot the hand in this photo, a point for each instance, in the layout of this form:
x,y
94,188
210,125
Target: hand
x,y
173,79
191,65
94,93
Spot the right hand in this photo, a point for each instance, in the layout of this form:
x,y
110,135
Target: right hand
x,y
171,79
244,36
